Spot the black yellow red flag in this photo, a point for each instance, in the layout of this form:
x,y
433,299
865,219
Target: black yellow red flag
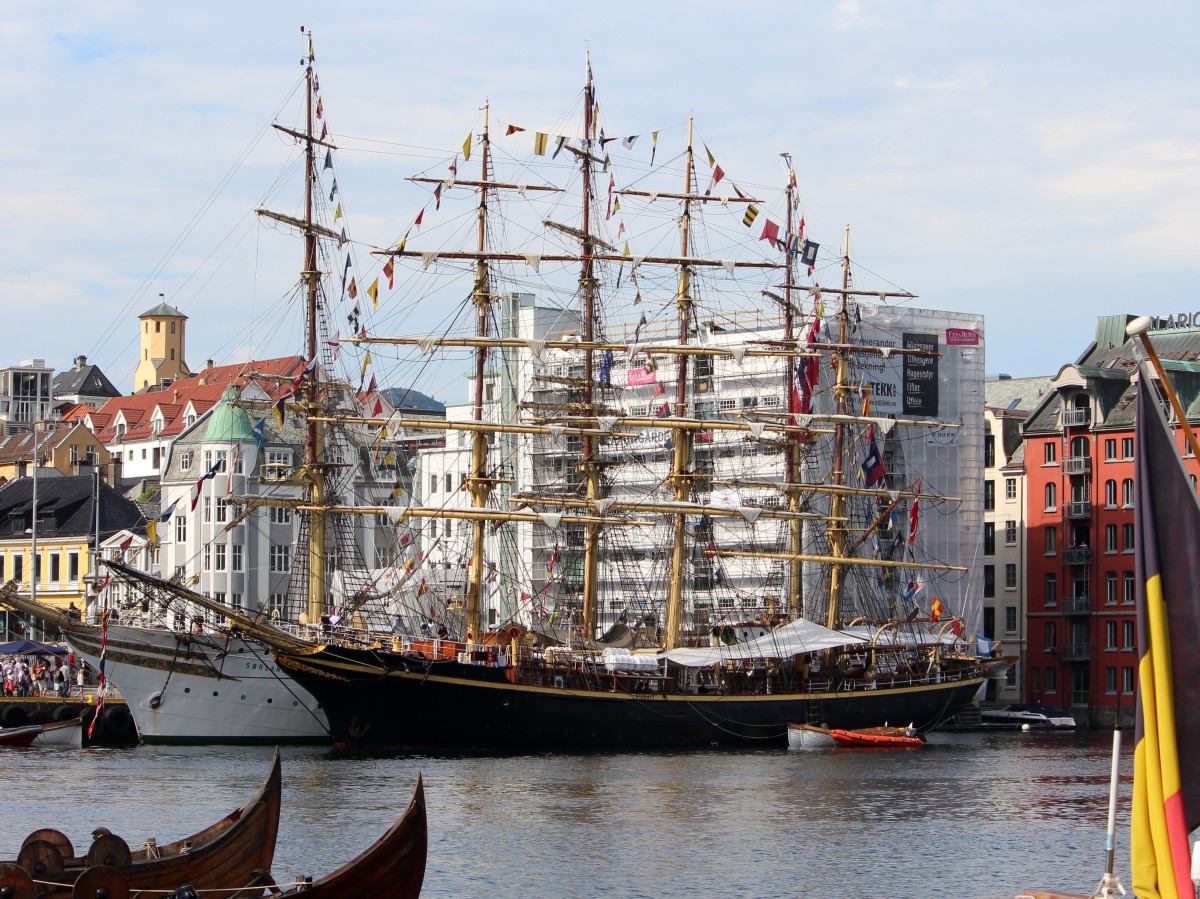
x,y
1166,794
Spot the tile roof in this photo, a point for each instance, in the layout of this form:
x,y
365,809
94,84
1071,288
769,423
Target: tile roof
x,y
69,501
197,393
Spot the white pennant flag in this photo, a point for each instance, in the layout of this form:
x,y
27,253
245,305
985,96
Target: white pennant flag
x,y
521,189
756,428
886,352
426,345
894,495
397,514
556,431
551,519
653,196
738,352
603,504
607,422
730,265
637,260
750,513
885,425
536,346
535,261
428,258
802,420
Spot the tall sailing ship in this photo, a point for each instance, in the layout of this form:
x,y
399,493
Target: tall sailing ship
x,y
618,564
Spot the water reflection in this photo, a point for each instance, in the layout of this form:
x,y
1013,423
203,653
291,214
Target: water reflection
x,y
971,815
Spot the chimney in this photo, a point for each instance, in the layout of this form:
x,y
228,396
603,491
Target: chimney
x,y
209,364
80,362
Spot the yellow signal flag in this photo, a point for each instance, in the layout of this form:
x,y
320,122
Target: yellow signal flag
x,y
467,148
152,532
539,143
365,364
712,160
373,292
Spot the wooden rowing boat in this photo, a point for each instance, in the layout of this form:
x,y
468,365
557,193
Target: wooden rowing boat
x,y
393,867
233,852
878,738
61,733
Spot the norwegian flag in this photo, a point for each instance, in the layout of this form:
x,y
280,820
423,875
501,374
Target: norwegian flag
x,y
102,681
914,516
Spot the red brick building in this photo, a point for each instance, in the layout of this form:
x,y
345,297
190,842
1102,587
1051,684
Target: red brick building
x,y
1081,651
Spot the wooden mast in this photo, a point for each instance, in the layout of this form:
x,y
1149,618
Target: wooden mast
x,y
479,484
680,479
590,466
314,443
792,460
837,507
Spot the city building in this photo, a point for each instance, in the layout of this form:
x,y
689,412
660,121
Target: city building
x,y
1081,647
539,567
66,447
66,528
1008,403
83,384
26,395
162,345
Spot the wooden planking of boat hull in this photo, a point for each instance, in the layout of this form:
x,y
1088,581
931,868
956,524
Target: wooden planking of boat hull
x,y
382,700
229,852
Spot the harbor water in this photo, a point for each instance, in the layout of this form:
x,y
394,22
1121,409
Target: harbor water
x,y
971,815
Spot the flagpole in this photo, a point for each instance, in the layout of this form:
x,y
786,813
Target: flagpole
x,y
1140,328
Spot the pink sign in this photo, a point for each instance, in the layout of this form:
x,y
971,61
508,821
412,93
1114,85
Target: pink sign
x,y
962,337
638,377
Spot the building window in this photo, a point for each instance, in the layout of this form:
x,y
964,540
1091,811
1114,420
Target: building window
x,y
19,567
180,529
72,567
989,451
1127,537
280,558
1010,488
1051,540
1129,590
989,580
1051,636
222,511
1110,588
433,483
55,568
208,557
1051,589
1110,494
989,538
1010,676
237,557
1128,641
1110,635
1051,680
207,509
1010,576
279,515
449,482
220,557
1110,680
1010,619
989,495
1127,447
1127,493
1051,453
1110,448
1010,533
1110,538
1035,680
1051,497
279,463
276,602
1126,680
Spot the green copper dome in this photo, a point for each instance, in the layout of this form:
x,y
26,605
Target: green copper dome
x,y
229,423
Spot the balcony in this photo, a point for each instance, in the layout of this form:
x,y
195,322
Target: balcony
x,y
1078,555
1077,652
1079,510
1075,417
1077,605
1078,464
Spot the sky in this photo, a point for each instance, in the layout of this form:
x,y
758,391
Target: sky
x,y
1036,163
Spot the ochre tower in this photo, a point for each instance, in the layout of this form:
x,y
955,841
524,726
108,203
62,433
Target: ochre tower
x,y
160,356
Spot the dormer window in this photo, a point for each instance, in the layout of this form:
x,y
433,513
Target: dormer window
x,y
120,431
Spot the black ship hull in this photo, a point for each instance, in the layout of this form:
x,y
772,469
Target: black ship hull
x,y
383,700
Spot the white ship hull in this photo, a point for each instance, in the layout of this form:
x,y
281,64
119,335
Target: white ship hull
x,y
204,688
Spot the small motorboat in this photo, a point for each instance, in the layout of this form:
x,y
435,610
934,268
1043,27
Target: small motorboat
x,y
809,736
1030,716
20,736
878,738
